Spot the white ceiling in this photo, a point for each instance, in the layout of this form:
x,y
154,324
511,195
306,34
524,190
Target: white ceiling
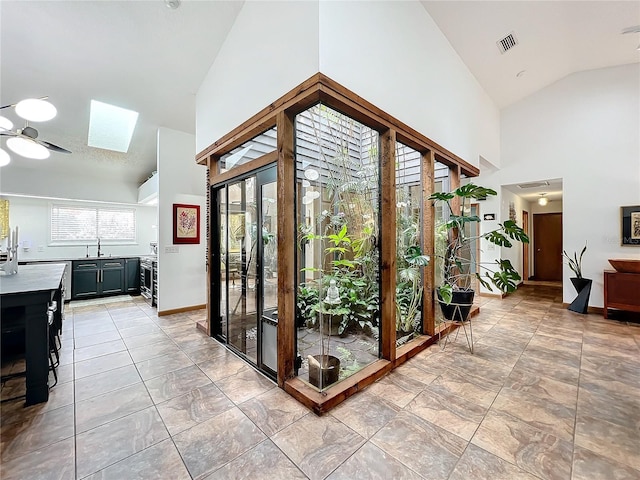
x,y
144,56
139,55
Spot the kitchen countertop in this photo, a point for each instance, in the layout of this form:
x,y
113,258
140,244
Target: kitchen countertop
x,y
102,257
32,278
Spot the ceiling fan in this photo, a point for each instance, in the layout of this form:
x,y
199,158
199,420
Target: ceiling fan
x,y
25,141
31,134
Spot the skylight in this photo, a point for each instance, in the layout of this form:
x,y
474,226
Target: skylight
x,y
111,127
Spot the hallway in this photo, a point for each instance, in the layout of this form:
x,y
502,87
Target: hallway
x,y
548,394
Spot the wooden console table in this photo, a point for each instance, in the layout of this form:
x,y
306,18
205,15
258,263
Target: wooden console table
x,y
31,290
621,291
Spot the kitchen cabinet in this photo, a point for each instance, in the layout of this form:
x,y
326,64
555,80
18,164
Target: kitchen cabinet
x,y
132,275
94,278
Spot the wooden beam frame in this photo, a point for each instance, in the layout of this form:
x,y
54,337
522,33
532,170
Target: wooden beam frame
x,y
281,114
286,248
387,229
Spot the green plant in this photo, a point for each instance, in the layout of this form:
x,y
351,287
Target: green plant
x,y
459,263
575,263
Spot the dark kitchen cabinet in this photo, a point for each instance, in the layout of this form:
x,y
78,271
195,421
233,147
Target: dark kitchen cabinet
x,y
132,275
94,278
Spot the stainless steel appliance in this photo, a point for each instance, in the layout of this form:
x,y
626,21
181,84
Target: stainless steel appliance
x,y
147,265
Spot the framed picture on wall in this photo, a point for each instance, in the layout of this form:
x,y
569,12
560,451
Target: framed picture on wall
x,y
186,223
630,222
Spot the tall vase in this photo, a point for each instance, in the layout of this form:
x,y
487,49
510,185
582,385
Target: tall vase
x,y
583,287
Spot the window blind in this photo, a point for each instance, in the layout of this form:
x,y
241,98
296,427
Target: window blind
x,y
70,223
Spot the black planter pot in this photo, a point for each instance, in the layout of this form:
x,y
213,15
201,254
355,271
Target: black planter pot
x,y
583,287
460,306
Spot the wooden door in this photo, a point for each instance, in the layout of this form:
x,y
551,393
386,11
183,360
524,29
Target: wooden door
x,y
547,244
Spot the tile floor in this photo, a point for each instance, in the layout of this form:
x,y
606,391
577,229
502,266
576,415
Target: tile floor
x,y
548,394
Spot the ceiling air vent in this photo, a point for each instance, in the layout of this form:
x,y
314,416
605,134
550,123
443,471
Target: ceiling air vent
x,y
533,185
507,43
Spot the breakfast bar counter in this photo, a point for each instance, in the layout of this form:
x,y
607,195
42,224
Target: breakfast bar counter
x,y
25,297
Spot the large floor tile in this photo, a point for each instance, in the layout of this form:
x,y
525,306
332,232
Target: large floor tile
x,y
110,406
420,445
197,406
531,449
588,465
372,463
478,464
244,385
217,441
36,433
317,445
609,440
264,460
273,410
450,412
104,382
102,364
100,447
161,460
544,414
53,462
174,384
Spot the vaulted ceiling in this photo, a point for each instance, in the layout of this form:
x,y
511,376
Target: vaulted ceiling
x,y
152,59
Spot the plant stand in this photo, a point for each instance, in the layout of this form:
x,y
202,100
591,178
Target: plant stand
x,y
581,302
458,312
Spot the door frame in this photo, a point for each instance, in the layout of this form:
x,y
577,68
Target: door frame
x,y
263,175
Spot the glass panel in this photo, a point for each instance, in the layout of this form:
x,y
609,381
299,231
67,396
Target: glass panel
x,y
242,253
337,183
442,184
254,148
269,275
409,254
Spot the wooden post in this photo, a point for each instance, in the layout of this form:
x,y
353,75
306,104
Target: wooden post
x,y
286,247
428,243
388,245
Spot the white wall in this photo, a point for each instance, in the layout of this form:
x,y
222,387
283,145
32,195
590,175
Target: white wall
x,y
30,181
584,129
393,55
182,279
32,215
271,48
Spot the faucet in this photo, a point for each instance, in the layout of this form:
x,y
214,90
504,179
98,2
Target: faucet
x,y
98,248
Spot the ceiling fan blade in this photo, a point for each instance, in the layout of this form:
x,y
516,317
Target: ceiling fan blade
x,y
8,133
7,106
52,147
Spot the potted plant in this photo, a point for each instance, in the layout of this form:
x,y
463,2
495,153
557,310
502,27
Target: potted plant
x,y
456,292
582,285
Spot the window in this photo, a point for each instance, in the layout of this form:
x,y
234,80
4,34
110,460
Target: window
x,y
69,223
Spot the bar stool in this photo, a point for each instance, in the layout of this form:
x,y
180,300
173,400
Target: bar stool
x,y
15,325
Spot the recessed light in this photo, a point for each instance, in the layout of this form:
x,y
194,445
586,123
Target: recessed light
x,y
172,4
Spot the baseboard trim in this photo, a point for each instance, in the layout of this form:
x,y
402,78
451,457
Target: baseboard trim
x,y
598,310
181,310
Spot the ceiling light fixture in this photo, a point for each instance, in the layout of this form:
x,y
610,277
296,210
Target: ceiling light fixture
x,y
172,4
36,110
4,158
542,201
27,148
5,123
